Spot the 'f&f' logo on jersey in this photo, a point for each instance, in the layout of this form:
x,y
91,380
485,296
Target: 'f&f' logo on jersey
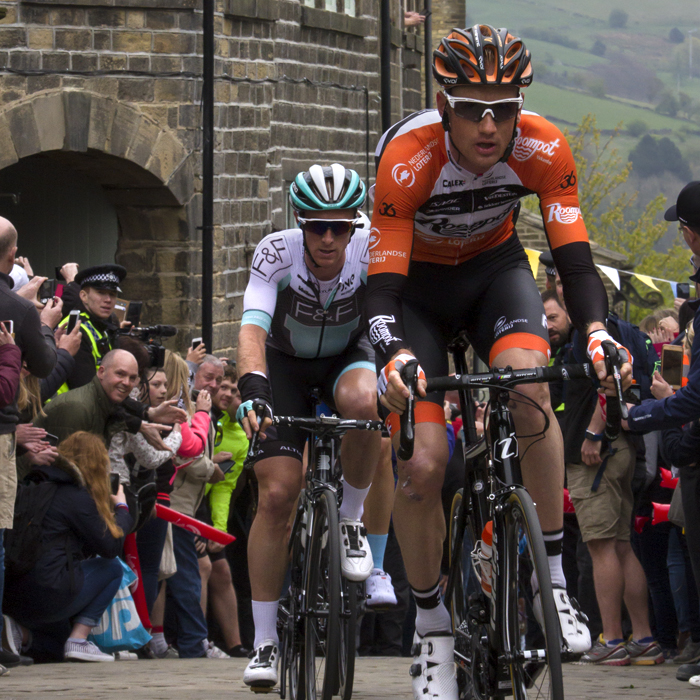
x,y
564,215
403,175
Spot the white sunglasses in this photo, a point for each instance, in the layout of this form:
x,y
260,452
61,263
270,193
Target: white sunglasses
x,y
475,110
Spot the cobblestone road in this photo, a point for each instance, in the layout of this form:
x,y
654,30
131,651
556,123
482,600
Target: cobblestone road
x,y
376,679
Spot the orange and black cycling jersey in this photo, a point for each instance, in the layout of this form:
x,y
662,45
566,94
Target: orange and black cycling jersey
x,y
429,209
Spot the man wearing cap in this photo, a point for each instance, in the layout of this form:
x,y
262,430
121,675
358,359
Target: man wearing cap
x,y
683,406
99,286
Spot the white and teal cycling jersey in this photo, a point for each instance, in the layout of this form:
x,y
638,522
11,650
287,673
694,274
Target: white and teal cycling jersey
x,y
304,316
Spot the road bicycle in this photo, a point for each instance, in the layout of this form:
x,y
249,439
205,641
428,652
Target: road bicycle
x,y
317,617
505,622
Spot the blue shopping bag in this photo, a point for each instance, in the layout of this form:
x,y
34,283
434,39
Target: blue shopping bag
x,y
120,628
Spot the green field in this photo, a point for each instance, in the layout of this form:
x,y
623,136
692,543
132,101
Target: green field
x,y
569,106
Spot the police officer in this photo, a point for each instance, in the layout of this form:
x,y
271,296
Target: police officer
x,y
99,286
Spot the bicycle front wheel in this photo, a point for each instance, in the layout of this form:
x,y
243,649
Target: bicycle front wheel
x,y
323,600
348,628
531,636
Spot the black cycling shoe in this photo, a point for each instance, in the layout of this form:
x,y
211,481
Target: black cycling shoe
x,y
10,660
239,652
687,671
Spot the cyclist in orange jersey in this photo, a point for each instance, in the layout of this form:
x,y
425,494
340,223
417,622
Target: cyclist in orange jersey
x,y
445,257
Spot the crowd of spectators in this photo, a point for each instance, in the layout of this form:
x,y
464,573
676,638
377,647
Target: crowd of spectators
x,y
98,424
107,422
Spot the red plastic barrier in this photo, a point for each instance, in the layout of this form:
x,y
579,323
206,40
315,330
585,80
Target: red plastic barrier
x,y
639,522
192,525
568,503
667,479
131,554
660,513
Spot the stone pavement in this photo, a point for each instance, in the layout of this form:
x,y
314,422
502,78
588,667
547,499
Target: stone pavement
x,y
376,679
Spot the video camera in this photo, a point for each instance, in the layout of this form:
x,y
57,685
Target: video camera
x,y
151,337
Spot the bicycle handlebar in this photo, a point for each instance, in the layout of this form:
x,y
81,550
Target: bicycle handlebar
x,y
328,422
509,378
332,424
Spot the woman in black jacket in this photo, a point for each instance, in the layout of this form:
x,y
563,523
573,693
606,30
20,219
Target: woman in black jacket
x,y
54,606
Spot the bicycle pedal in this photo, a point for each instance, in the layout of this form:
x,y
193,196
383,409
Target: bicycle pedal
x,y
260,689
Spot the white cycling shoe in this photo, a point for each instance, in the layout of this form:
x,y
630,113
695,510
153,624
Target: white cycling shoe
x,y
433,670
572,621
355,556
379,590
261,671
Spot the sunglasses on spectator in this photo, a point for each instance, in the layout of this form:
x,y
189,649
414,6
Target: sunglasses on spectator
x,y
475,110
338,227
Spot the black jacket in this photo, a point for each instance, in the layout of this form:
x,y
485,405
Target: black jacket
x,y
34,339
73,530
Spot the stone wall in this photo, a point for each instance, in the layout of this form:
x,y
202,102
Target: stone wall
x,y
133,67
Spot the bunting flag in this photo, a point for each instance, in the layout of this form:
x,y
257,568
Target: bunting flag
x,y
649,281
611,273
533,257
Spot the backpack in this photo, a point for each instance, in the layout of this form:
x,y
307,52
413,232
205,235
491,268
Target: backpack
x,y
645,360
24,543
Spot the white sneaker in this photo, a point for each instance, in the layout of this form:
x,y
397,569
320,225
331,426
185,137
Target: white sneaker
x,y
572,621
125,656
379,590
695,680
84,651
433,670
355,555
213,652
261,671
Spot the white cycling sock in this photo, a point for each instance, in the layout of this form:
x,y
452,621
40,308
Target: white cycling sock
x,y
553,542
353,504
265,621
431,613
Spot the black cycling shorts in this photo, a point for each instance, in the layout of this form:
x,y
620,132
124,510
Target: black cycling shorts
x,y
493,298
292,380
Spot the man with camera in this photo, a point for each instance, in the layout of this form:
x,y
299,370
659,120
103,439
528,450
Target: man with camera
x,y
99,286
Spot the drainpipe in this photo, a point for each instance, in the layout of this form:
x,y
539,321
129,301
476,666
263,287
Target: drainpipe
x,y
385,62
428,53
208,174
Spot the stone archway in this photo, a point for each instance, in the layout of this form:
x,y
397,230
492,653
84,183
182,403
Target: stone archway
x,y
146,173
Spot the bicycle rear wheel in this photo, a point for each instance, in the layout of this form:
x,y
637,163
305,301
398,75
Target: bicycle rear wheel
x,y
322,609
530,631
348,629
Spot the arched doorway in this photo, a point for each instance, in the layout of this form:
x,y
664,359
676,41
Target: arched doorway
x,y
61,215
100,181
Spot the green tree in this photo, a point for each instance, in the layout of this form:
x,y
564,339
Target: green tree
x,y
609,216
618,19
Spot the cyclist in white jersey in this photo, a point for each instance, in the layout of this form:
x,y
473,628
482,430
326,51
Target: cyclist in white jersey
x,y
304,326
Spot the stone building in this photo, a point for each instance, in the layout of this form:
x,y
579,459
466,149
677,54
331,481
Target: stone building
x,y
100,139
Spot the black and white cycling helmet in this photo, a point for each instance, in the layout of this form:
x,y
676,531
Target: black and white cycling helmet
x,y
324,188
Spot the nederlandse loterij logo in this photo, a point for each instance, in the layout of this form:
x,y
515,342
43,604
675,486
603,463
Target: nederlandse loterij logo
x,y
403,175
374,238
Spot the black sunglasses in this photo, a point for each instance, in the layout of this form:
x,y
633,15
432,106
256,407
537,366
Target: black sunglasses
x,y
338,227
475,110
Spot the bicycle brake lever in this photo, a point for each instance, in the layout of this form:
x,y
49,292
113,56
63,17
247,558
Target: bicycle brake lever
x,y
613,362
250,457
409,376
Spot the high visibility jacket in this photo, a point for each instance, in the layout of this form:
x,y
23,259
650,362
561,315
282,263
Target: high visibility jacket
x,y
94,336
